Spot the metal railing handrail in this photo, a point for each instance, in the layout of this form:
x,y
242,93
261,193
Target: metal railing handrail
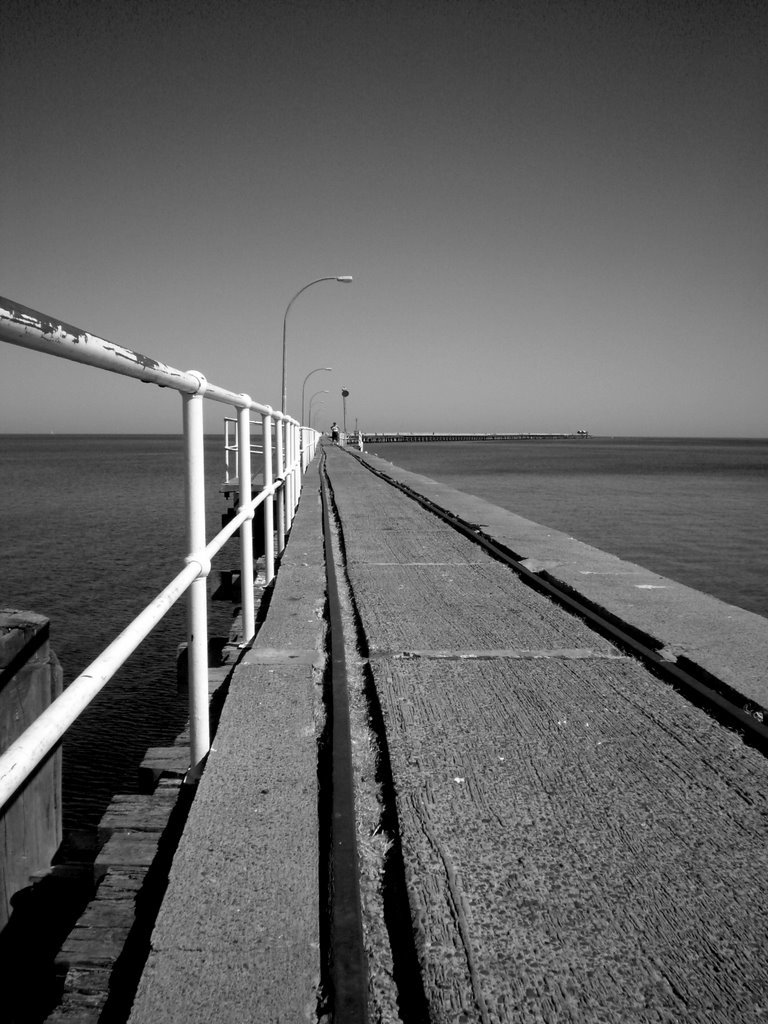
x,y
22,326
282,435
231,444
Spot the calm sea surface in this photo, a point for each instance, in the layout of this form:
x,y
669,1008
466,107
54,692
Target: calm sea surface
x,y
92,528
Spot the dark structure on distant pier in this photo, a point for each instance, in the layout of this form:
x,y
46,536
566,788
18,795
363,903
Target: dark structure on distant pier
x,y
385,437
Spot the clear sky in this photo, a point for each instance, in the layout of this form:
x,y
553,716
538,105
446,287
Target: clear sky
x,y
555,212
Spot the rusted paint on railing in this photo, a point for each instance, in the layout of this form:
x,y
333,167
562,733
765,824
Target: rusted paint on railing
x,y
21,325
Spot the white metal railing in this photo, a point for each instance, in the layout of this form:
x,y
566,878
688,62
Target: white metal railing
x,y
285,449
231,444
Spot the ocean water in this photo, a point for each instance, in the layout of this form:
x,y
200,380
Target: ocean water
x,y
92,528
692,509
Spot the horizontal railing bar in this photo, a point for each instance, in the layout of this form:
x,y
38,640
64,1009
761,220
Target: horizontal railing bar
x,y
217,543
20,325
23,756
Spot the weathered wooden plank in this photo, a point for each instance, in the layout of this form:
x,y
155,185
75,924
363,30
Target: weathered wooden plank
x,y
81,1009
91,947
108,913
87,981
162,761
138,813
126,849
121,883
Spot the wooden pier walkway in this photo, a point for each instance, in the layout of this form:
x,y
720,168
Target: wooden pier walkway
x,y
547,832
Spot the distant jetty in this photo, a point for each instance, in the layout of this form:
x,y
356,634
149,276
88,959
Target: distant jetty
x,y
390,437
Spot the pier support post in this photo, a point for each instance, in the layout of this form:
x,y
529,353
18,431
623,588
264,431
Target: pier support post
x,y
30,822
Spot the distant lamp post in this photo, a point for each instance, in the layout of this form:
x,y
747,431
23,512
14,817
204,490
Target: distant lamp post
x,y
313,411
327,369
344,280
344,396
323,392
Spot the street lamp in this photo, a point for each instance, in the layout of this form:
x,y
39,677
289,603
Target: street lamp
x,y
344,397
343,280
323,392
319,368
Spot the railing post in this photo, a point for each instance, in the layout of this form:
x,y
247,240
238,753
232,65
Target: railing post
x,y
296,466
280,495
197,618
288,478
291,446
269,527
228,447
246,530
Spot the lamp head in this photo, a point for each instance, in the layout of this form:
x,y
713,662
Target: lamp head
x,y
345,280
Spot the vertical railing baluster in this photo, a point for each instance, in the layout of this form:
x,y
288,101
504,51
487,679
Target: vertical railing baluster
x,y
269,504
288,476
246,530
280,473
296,467
294,462
197,600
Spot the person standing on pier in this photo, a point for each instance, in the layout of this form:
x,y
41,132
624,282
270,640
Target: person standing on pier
x,y
335,432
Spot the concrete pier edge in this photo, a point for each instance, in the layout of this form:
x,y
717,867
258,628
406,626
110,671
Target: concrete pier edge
x,y
242,907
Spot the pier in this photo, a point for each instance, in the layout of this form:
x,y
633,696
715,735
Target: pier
x,y
557,768
450,765
391,437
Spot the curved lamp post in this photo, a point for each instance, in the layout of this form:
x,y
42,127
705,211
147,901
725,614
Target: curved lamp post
x,y
323,392
317,370
344,280
319,406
